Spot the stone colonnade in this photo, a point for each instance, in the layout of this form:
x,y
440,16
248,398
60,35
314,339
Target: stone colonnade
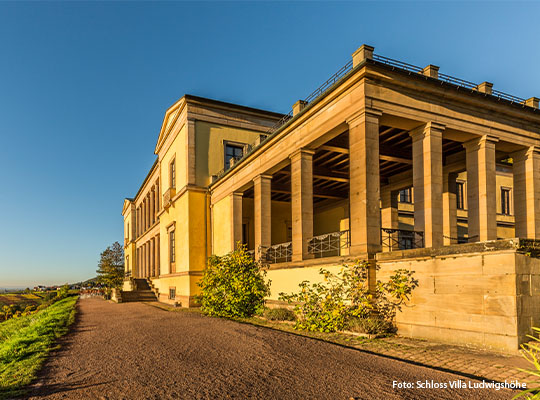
x,y
147,210
148,258
435,199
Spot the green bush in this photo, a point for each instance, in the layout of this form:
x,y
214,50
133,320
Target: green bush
x,y
279,314
327,306
531,352
233,285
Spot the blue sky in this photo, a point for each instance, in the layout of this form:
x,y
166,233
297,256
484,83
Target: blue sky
x,y
84,87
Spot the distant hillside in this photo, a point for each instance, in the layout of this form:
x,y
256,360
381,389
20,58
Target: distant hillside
x,y
89,282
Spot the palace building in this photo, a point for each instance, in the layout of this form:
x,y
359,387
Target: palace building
x,y
402,166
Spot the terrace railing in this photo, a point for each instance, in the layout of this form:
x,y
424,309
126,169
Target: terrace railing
x,y
277,253
329,244
401,239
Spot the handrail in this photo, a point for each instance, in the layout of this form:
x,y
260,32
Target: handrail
x,y
329,244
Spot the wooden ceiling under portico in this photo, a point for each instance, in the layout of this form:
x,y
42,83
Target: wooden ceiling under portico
x,y
331,165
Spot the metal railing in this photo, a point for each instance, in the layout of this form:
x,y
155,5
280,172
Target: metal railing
x,y
329,244
127,274
348,67
277,253
321,90
446,78
401,239
251,253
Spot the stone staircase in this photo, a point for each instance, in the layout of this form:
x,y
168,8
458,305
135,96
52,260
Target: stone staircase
x,y
142,291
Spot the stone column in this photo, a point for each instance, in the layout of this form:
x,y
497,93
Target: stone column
x,y
527,192
143,225
481,186
148,208
450,233
158,197
143,261
152,207
137,263
151,257
428,182
263,212
301,202
364,197
158,269
236,219
389,215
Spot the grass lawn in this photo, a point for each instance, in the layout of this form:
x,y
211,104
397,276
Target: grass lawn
x,y
26,341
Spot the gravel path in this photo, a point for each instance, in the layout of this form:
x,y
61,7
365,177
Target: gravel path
x,y
135,351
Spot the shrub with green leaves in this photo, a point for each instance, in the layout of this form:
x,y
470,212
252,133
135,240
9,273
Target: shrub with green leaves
x,y
531,352
279,314
233,285
329,305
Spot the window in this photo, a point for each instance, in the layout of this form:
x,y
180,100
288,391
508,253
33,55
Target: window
x,y
172,293
172,173
127,262
460,204
171,247
235,151
405,196
505,201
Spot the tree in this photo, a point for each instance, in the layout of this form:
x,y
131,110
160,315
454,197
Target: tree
x,y
111,266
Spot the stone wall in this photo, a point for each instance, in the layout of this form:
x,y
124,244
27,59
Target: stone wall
x,y
486,294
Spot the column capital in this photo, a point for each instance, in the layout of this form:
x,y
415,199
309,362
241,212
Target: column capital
x,y
485,140
261,177
237,194
428,129
524,154
367,114
301,152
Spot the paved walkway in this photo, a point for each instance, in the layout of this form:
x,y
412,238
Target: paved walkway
x,y
133,351
461,359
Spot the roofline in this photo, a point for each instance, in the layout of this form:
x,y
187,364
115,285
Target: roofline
x,y
191,97
146,179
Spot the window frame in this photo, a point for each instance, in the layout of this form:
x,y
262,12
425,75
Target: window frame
x,y
407,199
230,143
460,184
172,173
506,191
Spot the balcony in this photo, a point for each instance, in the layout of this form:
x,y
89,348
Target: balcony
x,y
401,239
167,197
329,244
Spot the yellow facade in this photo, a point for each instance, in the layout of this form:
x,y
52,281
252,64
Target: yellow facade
x,y
191,143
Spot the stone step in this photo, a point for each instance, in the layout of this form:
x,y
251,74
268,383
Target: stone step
x,y
138,295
